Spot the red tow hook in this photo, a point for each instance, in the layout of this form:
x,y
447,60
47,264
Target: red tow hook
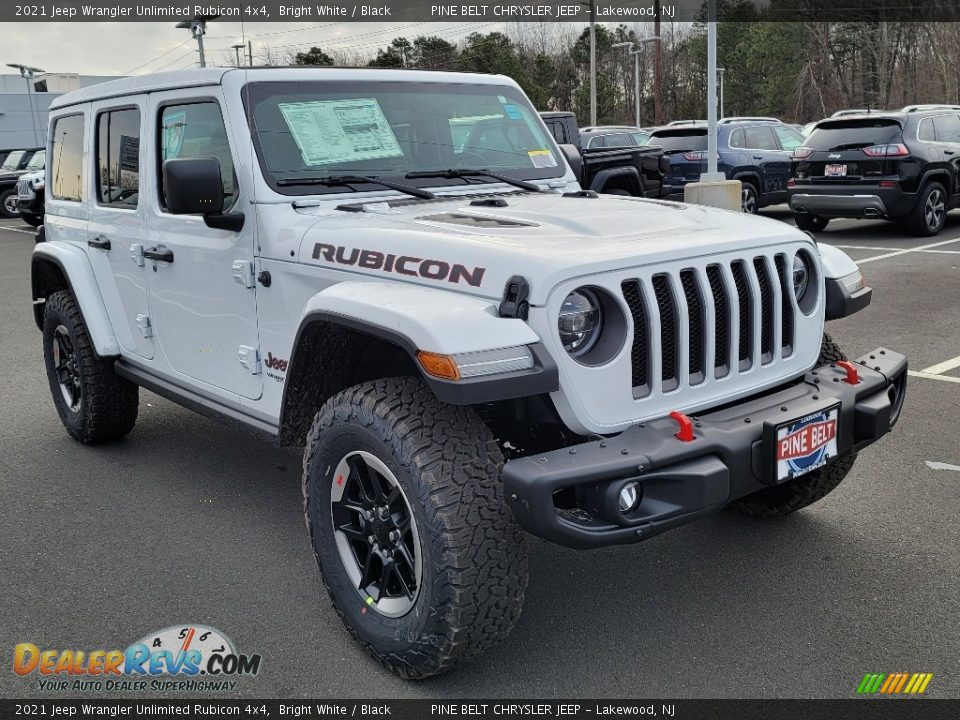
x,y
686,426
853,377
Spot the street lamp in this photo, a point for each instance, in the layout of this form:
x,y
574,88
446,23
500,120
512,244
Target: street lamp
x,y
636,70
237,49
27,73
721,70
198,28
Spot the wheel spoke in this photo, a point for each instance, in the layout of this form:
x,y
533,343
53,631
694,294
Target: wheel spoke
x,y
359,470
353,533
367,574
405,556
388,569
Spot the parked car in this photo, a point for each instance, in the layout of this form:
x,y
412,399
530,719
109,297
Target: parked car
x,y
852,111
612,136
755,151
928,107
30,190
615,170
466,343
16,164
896,166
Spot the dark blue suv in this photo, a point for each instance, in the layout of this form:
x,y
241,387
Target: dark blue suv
x,y
755,151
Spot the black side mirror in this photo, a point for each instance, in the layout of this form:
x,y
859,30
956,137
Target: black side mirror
x,y
573,157
192,186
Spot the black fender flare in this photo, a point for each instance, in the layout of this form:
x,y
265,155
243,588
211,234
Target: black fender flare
x,y
604,176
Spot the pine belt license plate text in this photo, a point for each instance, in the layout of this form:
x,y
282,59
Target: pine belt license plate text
x,y
835,171
805,444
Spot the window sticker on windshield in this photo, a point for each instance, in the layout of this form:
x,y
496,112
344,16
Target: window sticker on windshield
x,y
513,112
542,158
330,131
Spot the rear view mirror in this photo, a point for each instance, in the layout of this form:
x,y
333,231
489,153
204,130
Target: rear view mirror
x,y
192,186
572,155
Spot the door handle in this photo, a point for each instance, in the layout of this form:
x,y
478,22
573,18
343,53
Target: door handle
x,y
758,157
99,243
158,254
949,152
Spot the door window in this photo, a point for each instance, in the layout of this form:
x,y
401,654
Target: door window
x,y
197,130
926,132
118,158
760,138
67,154
948,128
736,139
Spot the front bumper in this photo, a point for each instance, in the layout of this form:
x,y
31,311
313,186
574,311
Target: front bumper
x,y
730,457
850,201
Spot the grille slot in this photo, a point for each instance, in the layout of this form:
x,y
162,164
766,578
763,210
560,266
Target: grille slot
x,y
633,294
786,306
746,314
669,350
766,310
721,329
695,322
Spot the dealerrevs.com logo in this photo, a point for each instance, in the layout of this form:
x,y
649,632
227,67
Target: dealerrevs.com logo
x,y
183,657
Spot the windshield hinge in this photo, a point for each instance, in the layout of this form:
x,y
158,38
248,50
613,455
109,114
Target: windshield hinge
x,y
249,357
515,294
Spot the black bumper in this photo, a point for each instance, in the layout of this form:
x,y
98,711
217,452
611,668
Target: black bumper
x,y
850,201
731,456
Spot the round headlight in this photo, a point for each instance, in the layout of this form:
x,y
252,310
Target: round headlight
x,y
801,276
581,318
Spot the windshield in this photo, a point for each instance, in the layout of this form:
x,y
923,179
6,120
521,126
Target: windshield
x,y
36,162
388,129
680,140
852,134
13,160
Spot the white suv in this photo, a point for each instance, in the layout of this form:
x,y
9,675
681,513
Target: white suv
x,y
467,344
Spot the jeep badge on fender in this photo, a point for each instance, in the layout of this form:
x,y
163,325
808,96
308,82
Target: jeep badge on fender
x,y
468,347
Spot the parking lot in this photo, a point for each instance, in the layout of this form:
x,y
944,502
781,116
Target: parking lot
x,y
187,520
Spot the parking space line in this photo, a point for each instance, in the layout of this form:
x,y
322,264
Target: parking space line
x,y
19,230
943,367
867,247
904,252
928,376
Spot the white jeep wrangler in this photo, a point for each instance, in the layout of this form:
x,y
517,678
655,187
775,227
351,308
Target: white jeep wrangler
x,y
398,271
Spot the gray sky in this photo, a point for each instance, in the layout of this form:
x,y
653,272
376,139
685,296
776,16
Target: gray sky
x,y
118,48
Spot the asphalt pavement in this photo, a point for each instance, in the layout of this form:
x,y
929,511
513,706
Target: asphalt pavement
x,y
189,521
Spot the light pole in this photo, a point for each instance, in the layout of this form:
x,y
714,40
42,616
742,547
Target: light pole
x,y
636,71
721,70
237,49
27,73
198,28
712,175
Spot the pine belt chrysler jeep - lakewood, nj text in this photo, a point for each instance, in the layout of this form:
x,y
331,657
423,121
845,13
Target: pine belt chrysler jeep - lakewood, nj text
x,y
467,344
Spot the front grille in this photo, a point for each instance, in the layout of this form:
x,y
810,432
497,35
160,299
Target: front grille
x,y
712,322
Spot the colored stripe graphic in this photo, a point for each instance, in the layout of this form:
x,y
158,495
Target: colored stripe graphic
x,y
894,683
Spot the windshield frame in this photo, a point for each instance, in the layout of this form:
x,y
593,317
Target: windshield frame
x,y
38,154
255,92
18,154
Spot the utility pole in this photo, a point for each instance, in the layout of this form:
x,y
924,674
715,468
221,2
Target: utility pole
x,y
237,49
712,174
593,64
721,70
657,67
250,53
636,71
198,28
28,73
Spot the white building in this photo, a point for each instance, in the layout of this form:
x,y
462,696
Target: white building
x,y
22,126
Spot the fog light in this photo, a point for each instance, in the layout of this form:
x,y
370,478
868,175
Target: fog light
x,y
629,498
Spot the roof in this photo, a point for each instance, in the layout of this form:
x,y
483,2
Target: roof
x,y
177,79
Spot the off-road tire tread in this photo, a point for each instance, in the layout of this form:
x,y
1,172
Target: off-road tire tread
x,y
482,567
797,494
110,402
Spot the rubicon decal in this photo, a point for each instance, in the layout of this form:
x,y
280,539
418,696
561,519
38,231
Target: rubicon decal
x,y
399,264
182,651
898,683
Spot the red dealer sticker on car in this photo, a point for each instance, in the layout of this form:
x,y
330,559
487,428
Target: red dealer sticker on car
x,y
806,444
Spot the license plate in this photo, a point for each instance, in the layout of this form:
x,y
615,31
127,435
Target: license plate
x,y
805,444
835,171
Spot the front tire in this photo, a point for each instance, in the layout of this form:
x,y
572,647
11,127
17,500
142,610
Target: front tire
x,y
749,198
31,219
418,551
93,402
796,494
8,204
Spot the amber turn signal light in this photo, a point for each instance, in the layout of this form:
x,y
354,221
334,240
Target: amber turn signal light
x,y
439,366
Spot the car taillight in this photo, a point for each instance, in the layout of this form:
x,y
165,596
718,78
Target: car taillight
x,y
791,182
801,152
888,183
891,150
698,155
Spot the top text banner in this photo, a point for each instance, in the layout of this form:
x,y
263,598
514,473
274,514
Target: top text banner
x,y
615,11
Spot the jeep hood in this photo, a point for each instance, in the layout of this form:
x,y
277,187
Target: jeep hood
x,y
476,244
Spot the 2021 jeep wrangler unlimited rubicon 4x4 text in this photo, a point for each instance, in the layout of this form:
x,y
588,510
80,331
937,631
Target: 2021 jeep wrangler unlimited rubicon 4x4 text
x,y
467,344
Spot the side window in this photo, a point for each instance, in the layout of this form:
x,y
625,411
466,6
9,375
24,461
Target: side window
x,y
558,130
597,141
197,131
736,139
66,171
619,140
948,128
118,158
925,131
789,138
760,138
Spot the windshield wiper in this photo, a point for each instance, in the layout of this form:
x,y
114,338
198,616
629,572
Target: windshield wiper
x,y
347,180
465,173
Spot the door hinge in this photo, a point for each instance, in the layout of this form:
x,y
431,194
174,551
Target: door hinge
x,y
249,357
244,273
146,328
136,254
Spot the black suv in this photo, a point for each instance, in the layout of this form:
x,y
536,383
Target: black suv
x,y
896,166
